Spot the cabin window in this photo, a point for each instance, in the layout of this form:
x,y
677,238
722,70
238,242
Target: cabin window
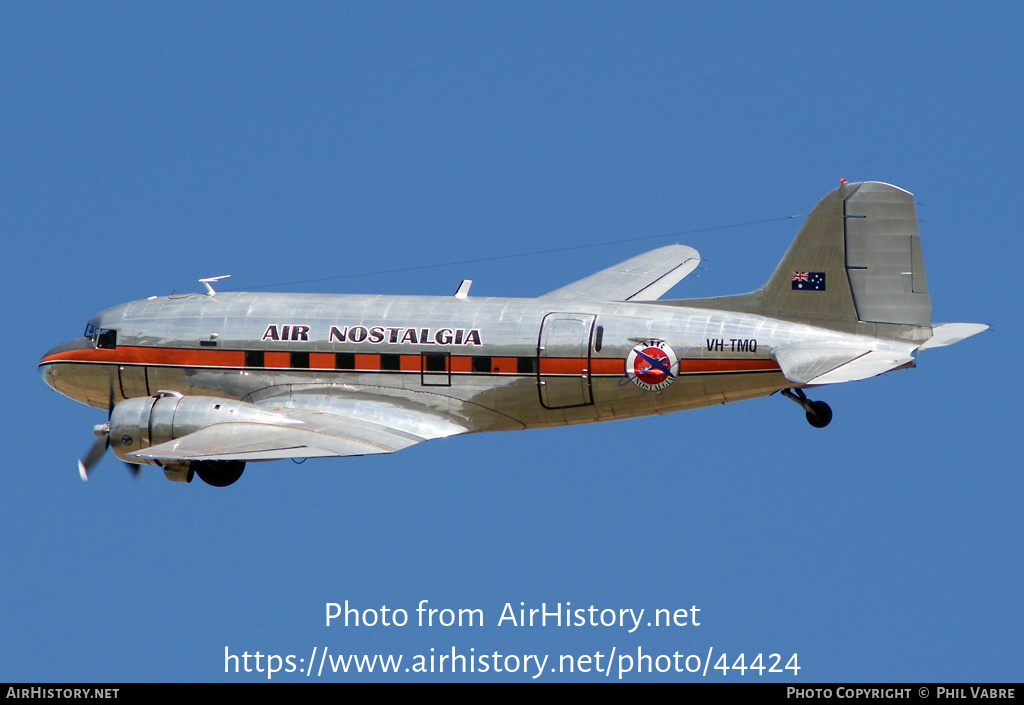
x,y
526,365
481,363
391,362
300,360
598,338
344,361
254,358
435,370
435,362
107,338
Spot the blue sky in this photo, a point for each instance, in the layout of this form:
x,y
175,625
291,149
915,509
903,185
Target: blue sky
x,y
144,146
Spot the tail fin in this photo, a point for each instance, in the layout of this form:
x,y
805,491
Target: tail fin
x,y
857,259
856,267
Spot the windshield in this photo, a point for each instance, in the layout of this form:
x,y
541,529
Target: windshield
x,y
101,337
107,338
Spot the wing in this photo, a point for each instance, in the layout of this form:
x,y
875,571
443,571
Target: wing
x,y
645,277
310,426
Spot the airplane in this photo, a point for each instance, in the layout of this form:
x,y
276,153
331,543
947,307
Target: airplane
x,y
202,383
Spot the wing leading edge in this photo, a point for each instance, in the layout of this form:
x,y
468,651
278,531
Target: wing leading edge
x,y
645,277
344,430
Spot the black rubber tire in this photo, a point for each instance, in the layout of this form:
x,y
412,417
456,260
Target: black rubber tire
x,y
820,414
219,473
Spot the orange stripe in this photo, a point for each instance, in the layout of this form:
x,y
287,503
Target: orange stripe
x,y
321,361
277,359
461,363
608,366
367,361
695,366
189,357
562,365
504,365
153,356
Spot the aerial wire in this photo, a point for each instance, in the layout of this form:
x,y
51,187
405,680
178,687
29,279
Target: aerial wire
x,y
496,258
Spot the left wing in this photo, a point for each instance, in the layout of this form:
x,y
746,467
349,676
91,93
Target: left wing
x,y
309,426
645,277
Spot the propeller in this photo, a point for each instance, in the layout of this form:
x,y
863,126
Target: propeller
x,y
100,445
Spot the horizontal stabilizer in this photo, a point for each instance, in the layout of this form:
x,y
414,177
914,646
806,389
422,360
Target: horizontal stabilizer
x,y
831,365
948,333
645,277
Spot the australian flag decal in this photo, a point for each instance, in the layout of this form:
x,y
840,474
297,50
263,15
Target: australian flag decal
x,y
808,281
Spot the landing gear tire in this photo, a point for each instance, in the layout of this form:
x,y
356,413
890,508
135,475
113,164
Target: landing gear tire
x,y
219,473
819,415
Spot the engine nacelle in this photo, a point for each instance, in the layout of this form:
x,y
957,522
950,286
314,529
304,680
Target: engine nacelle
x,y
144,422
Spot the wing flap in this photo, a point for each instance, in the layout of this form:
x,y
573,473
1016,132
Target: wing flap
x,y
645,277
831,365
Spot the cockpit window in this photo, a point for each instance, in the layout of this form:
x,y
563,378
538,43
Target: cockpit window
x,y
90,331
107,338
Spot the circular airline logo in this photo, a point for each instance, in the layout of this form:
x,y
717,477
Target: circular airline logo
x,y
651,365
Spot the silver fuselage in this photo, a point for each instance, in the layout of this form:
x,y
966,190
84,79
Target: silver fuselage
x,y
494,363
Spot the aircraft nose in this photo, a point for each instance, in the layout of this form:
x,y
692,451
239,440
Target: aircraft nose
x,y
47,373
46,368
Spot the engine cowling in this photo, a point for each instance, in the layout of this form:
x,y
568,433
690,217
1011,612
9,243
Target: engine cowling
x,y
143,422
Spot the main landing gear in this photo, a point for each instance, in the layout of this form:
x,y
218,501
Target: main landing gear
x,y
819,414
219,473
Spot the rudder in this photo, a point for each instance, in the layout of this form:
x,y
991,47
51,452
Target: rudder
x,y
857,258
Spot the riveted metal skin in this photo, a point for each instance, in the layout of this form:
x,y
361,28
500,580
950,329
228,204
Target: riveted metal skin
x,y
230,377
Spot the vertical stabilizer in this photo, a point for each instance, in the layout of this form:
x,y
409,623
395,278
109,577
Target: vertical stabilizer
x,y
856,260
810,282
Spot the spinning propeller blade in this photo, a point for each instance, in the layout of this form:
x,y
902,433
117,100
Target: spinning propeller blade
x,y
100,445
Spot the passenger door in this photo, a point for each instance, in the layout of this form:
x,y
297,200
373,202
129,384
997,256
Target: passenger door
x,y
563,362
